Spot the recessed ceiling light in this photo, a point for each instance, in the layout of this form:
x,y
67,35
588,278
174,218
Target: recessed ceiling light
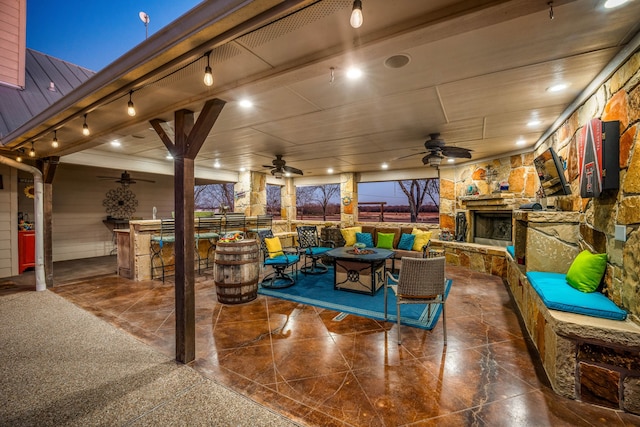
x,y
451,160
330,170
243,169
115,143
557,87
169,157
384,166
354,73
610,4
245,103
216,164
521,141
533,123
287,174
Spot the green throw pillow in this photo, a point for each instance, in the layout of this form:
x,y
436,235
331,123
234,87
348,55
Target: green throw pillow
x,y
586,271
385,240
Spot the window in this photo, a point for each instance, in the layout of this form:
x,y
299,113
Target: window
x,y
320,202
414,200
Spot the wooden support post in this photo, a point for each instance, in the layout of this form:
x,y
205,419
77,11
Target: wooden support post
x,y
48,168
189,138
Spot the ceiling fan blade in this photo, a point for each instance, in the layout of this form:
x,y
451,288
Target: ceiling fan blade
x,y
145,180
268,166
292,170
410,155
457,152
108,177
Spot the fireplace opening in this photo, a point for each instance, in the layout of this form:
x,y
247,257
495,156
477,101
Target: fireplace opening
x,y
492,228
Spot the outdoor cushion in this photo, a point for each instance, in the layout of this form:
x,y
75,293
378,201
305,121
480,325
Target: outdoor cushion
x,y
365,238
586,271
406,241
274,247
385,240
558,295
349,235
422,238
512,251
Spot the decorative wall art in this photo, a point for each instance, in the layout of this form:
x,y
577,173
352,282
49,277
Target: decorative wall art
x,y
598,151
120,203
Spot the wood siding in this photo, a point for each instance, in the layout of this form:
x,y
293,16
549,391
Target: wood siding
x,y
8,223
13,42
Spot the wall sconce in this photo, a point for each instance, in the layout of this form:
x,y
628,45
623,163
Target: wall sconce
x,y
32,152
356,14
54,143
85,127
131,110
208,73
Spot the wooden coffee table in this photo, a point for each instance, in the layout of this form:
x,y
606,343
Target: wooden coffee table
x,y
359,272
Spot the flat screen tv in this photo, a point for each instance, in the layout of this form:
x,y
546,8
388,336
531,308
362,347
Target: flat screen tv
x,y
551,174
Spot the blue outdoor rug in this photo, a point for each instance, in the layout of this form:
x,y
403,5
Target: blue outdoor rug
x,y
317,290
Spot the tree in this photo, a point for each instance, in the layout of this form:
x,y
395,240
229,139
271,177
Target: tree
x,y
416,190
273,199
211,196
324,195
304,196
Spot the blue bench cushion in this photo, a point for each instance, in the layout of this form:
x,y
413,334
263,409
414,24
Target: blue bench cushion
x,y
558,295
318,250
512,251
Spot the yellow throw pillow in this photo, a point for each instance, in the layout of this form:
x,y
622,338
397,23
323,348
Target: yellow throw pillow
x,y
422,238
349,235
274,247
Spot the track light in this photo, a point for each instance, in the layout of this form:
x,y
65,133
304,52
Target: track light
x,y
54,143
32,152
131,110
85,127
208,73
356,14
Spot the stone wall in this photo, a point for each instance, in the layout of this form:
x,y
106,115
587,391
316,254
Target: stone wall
x,y
517,170
618,99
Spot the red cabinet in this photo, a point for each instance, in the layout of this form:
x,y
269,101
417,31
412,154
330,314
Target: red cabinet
x,y
26,250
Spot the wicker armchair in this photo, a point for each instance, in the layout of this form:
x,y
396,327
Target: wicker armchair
x,y
421,281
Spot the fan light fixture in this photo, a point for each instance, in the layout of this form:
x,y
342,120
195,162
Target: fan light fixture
x,y
208,73
277,174
131,110
54,143
32,152
85,127
356,14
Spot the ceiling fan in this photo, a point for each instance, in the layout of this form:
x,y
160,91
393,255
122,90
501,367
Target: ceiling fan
x,y
125,179
279,167
438,150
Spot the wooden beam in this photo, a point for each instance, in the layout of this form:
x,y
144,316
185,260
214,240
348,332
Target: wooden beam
x,y
188,141
48,168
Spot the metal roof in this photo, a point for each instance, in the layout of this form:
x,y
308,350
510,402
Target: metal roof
x,y
47,80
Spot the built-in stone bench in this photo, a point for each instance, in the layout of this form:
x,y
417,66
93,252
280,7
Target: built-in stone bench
x,y
477,257
586,358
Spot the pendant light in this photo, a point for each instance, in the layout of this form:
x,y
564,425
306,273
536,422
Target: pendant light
x,y
85,127
208,73
54,143
131,110
356,14
32,152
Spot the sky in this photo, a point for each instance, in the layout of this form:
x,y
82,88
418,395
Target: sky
x,y
94,33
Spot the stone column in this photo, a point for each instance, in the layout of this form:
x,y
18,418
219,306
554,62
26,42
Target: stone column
x,y
250,193
447,198
288,210
348,199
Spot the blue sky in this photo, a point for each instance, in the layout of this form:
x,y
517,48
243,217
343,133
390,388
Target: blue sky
x,y
94,33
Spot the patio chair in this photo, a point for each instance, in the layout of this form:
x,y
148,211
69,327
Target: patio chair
x,y
263,222
162,255
421,281
309,241
234,223
279,260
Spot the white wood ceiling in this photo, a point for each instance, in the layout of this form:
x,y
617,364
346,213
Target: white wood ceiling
x,y
478,72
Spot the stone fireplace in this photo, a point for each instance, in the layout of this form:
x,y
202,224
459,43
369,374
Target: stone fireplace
x,y
489,219
492,228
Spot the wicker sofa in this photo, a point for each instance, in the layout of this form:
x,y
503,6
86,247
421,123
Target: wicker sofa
x,y
397,231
